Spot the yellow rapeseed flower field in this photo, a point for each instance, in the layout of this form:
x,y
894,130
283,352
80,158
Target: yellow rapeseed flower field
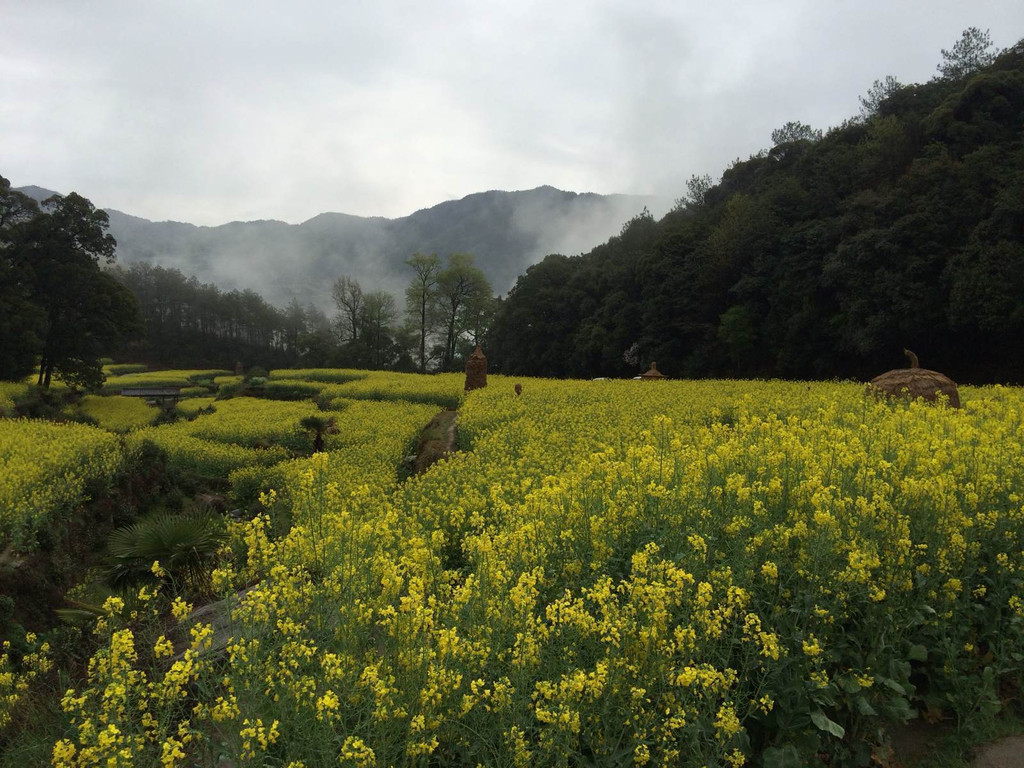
x,y
443,390
120,369
192,405
329,375
240,432
176,378
616,573
117,413
45,469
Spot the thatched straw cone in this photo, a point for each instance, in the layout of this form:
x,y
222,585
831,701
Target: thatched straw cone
x,y
915,382
476,370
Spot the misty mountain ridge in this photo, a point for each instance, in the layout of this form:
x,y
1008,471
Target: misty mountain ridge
x,y
506,231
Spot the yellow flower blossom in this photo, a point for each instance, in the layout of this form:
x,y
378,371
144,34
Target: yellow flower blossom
x,y
163,647
180,610
812,647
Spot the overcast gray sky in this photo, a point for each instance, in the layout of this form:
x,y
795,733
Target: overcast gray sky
x,y
215,111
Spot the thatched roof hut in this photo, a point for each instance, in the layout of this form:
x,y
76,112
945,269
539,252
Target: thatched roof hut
x,y
653,374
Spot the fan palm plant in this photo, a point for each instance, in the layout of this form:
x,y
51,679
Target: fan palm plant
x,y
319,426
185,545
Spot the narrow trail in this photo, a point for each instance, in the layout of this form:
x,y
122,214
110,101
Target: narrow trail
x,y
1004,753
437,440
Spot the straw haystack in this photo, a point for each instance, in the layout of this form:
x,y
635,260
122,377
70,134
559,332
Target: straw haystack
x,y
915,382
476,370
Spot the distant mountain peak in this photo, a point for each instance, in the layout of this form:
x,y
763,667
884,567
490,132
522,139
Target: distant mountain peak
x,y
507,231
36,193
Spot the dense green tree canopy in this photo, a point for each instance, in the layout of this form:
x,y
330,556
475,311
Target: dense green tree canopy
x,y
60,307
822,257
20,317
462,300
188,323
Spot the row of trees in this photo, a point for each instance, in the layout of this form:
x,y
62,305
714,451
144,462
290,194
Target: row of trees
x,y
189,324
59,311
64,304
823,256
447,308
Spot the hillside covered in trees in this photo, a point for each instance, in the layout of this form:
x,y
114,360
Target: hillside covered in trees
x,y
821,257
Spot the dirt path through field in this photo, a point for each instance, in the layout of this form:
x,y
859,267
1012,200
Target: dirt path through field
x,y
915,740
1004,753
437,440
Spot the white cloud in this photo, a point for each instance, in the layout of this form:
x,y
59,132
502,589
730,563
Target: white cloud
x,y
209,112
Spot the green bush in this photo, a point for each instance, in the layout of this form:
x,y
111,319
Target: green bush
x,y
226,391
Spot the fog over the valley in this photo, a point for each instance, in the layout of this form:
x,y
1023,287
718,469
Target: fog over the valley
x,y
506,231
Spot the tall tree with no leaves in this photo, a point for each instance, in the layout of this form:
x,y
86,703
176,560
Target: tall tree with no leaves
x,y
420,298
379,313
348,298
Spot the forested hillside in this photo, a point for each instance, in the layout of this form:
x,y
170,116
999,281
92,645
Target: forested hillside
x,y
821,257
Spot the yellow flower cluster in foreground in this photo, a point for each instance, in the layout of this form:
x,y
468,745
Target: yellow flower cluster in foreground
x,y
15,683
44,471
625,572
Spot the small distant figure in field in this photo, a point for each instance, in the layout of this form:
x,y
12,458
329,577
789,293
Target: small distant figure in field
x,y
239,369
914,382
519,389
653,374
476,370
